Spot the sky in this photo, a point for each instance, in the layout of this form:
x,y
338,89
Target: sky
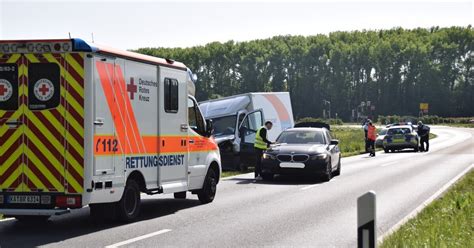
x,y
146,23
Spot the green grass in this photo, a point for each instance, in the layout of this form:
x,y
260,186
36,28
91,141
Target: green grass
x,y
468,125
234,173
446,222
351,140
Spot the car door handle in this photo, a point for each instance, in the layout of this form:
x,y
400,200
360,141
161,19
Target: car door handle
x,y
184,127
99,122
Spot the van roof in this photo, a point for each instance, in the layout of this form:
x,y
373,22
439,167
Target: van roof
x,y
79,45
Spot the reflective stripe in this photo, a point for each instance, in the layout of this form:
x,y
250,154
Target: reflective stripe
x,y
259,143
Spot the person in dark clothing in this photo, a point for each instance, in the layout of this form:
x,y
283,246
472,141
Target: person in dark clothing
x,y
366,129
261,144
424,133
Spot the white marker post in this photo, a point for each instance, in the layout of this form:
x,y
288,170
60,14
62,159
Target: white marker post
x,y
366,224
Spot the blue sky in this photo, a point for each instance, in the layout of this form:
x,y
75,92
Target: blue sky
x,y
133,24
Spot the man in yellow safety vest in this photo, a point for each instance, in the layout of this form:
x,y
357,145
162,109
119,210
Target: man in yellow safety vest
x,y
261,144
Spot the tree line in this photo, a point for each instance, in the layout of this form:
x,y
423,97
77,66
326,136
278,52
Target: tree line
x,y
394,69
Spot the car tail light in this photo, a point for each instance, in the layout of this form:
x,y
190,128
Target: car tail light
x,y
68,201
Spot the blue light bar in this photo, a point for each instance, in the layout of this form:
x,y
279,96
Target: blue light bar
x,y
79,45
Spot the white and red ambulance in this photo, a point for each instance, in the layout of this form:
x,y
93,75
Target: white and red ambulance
x,y
82,124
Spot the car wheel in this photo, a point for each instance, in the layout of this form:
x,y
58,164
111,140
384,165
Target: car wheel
x,y
417,148
267,176
338,170
386,150
180,195
128,208
209,188
327,176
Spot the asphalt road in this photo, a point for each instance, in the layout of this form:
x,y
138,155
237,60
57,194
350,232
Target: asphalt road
x,y
288,212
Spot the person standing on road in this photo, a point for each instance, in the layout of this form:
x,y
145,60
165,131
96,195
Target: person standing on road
x,y
261,144
424,133
366,126
371,137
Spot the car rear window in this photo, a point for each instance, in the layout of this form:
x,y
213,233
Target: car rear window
x,y
301,137
395,131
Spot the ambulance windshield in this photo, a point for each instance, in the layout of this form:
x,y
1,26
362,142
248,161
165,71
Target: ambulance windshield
x,y
224,125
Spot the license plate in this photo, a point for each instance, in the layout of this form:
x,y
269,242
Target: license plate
x,y
24,199
291,165
398,140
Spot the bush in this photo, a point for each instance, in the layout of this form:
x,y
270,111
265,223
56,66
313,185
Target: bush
x,y
427,119
327,121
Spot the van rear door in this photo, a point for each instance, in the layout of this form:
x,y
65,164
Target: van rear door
x,y
247,132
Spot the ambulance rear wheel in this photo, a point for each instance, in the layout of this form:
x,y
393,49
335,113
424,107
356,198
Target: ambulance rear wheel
x,y
128,208
209,188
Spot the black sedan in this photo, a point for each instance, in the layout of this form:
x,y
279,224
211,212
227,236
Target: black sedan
x,y
303,151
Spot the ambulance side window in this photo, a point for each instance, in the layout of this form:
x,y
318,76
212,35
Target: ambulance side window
x,y
195,119
171,95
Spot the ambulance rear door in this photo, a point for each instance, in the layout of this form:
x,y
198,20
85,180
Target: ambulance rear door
x,y
41,123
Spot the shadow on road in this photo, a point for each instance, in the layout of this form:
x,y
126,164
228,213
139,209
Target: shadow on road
x,y
281,180
59,228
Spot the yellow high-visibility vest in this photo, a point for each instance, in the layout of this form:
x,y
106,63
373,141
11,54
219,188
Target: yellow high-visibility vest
x,y
259,143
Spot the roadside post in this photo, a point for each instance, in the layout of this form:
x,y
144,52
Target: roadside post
x,y
366,223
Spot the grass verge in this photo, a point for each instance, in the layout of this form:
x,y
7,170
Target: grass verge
x,y
467,125
446,222
234,173
351,140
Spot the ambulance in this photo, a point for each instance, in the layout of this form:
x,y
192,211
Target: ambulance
x,y
83,124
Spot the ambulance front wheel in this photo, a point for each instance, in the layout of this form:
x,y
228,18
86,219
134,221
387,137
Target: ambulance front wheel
x,y
128,208
209,188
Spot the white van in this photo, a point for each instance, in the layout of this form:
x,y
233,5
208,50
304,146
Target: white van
x,y
237,118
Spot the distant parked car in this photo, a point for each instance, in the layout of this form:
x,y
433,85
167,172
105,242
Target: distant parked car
x,y
401,137
380,137
303,150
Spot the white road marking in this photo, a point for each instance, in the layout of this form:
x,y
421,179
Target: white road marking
x,y
126,242
314,185
435,196
390,163
7,219
309,186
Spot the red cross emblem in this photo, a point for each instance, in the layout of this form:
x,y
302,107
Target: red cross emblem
x,y
132,88
3,90
6,90
44,89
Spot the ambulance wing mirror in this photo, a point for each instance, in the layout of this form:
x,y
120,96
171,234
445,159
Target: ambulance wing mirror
x,y
209,127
